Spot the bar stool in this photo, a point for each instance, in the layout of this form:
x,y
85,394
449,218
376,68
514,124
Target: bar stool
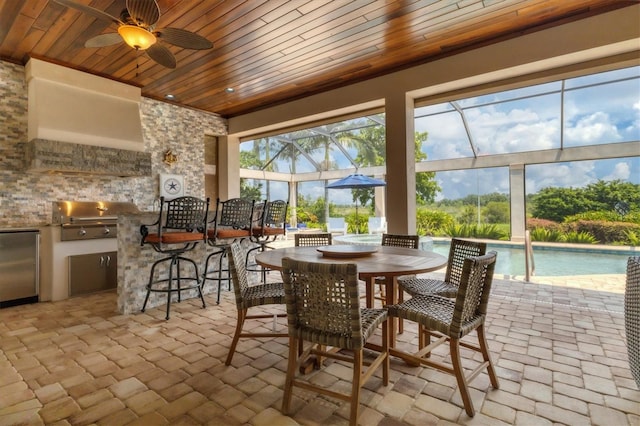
x,y
181,225
269,226
232,222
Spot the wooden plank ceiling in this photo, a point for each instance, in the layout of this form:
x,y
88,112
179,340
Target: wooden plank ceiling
x,y
272,51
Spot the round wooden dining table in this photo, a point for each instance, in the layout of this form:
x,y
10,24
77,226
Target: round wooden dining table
x,y
372,261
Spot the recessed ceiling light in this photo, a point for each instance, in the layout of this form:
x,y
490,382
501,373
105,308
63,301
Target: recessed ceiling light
x,y
229,90
170,97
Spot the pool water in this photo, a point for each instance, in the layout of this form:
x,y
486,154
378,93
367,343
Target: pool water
x,y
552,261
549,260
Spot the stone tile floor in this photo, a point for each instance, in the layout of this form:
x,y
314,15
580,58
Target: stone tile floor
x,y
558,346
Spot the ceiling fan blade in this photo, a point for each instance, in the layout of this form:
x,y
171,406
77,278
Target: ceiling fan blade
x,y
103,40
144,12
161,55
96,13
183,38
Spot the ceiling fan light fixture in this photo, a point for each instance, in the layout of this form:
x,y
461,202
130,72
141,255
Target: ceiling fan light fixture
x,y
136,37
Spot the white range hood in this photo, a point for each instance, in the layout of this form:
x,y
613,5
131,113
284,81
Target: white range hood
x,y
71,106
82,123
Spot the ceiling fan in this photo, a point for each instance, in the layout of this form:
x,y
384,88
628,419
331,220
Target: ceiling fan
x,y
137,28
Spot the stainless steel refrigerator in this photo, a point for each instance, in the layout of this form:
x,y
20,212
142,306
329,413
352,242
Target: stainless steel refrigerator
x,y
19,267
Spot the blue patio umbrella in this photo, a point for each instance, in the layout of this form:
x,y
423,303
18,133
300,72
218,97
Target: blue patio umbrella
x,y
355,181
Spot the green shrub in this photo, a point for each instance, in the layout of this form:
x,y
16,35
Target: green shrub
x,y
359,225
464,230
579,238
534,222
547,235
304,216
457,230
606,216
603,231
632,238
496,212
431,222
468,215
491,232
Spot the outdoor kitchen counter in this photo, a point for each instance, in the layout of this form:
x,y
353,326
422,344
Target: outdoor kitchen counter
x,y
134,264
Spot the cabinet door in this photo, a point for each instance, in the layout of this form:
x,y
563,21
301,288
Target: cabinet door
x,y
89,273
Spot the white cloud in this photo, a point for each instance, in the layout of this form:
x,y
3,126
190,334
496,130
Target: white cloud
x,y
594,128
578,174
621,171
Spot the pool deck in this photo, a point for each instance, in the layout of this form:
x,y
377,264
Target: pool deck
x,y
557,344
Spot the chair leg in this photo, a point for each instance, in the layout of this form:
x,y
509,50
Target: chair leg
x,y
153,268
146,298
204,305
400,300
385,349
174,275
484,349
319,358
460,377
178,279
242,314
261,246
220,276
424,338
197,277
291,372
248,266
355,387
170,286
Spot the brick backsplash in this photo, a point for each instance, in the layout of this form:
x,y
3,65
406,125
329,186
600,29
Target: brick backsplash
x,y
25,198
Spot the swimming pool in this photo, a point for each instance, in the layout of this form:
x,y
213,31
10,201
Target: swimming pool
x,y
555,261
550,260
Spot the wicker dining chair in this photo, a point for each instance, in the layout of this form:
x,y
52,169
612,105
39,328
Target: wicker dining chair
x,y
313,239
459,250
449,320
396,240
323,307
632,315
249,296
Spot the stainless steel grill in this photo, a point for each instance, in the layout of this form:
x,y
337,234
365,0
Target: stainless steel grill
x,y
87,220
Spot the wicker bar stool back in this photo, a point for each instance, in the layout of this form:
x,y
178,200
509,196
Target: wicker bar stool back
x,y
458,252
449,320
248,296
232,222
313,239
181,225
323,307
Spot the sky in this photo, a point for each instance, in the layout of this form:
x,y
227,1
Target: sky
x,y
523,120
